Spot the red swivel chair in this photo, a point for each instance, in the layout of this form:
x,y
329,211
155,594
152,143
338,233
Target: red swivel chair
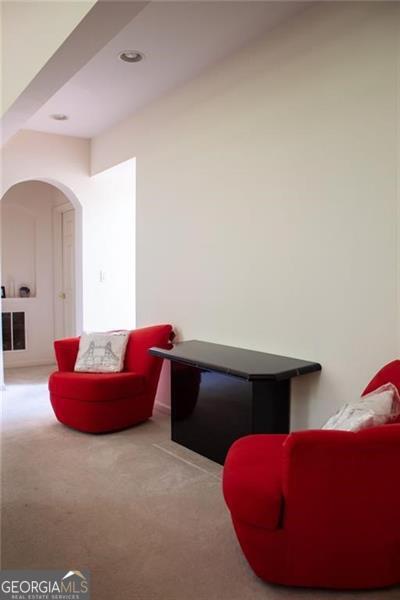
x,y
104,402
320,508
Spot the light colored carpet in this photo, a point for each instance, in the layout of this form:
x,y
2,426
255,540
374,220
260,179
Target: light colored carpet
x,y
144,515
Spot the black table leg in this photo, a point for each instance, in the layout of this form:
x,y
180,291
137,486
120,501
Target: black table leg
x,y
271,406
211,410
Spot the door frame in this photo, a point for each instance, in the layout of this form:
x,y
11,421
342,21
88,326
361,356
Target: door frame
x,y
58,268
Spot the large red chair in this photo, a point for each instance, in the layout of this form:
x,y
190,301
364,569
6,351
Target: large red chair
x,y
105,402
320,508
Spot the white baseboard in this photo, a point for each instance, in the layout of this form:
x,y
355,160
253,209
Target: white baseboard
x,y
30,363
163,408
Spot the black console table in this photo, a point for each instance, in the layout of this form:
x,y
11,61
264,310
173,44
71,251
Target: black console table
x,y
220,393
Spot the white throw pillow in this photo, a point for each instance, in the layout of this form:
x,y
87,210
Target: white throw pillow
x,y
377,408
102,352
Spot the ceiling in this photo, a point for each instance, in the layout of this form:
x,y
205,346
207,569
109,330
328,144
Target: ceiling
x,y
100,25
178,40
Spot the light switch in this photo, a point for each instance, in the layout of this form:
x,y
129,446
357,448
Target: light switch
x,y
102,276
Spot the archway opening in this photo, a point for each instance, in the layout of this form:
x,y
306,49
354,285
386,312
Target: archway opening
x,y
41,270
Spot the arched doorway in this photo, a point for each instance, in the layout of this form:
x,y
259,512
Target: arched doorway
x,y
41,270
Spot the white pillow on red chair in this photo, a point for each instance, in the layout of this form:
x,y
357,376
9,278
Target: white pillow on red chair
x,y
102,352
379,407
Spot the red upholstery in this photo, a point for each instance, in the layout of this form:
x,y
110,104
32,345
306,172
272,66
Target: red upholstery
x,y
103,402
319,508
253,499
390,373
66,353
99,387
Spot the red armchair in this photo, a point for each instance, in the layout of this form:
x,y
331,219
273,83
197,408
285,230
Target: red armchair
x,y
320,508
105,402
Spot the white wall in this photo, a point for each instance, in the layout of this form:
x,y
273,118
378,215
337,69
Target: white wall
x,y
266,200
61,161
27,258
106,203
18,246
398,182
109,277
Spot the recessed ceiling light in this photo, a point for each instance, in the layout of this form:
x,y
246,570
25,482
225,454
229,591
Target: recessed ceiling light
x,y
59,117
131,56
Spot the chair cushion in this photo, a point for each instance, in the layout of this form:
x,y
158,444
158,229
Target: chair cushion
x,y
96,387
253,479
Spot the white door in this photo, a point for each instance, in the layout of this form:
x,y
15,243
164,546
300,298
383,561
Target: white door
x,y
68,272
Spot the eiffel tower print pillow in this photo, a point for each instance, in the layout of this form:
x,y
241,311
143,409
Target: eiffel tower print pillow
x,y
102,352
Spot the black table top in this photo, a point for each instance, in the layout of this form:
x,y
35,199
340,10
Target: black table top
x,y
247,364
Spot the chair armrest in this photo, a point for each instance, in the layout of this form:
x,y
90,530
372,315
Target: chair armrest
x,y
341,481
252,480
66,353
314,455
